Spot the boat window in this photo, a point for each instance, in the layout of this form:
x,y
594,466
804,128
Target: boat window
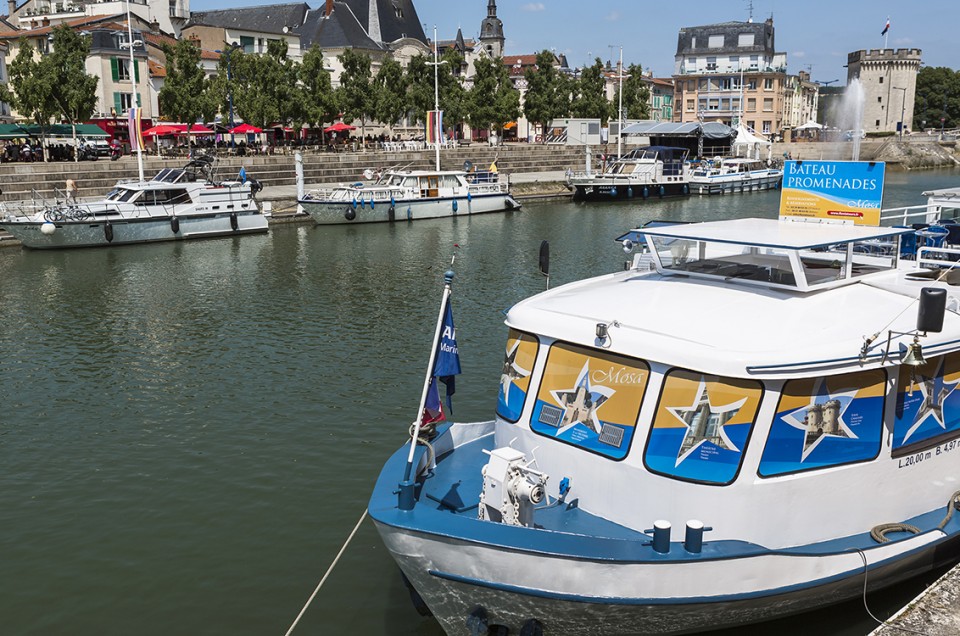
x,y
826,421
121,194
928,404
518,363
410,182
171,196
590,399
450,181
145,198
701,427
726,260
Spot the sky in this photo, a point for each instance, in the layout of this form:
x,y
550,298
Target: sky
x,y
816,35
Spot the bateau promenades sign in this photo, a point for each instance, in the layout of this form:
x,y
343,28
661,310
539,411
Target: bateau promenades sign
x,y
833,190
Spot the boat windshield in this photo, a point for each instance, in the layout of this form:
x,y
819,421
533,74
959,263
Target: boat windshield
x,y
121,194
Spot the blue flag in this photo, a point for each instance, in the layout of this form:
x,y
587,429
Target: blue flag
x,y
243,175
447,365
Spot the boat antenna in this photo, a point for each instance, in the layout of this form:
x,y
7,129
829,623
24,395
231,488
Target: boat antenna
x,y
436,96
133,89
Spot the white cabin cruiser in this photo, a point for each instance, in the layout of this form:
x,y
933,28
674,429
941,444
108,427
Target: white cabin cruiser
x,y
653,171
753,420
177,204
407,195
734,175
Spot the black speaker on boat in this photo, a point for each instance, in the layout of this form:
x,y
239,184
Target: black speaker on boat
x,y
933,306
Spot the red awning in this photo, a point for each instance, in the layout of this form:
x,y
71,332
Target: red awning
x,y
245,128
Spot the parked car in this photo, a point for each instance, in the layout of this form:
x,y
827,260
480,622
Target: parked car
x,y
848,135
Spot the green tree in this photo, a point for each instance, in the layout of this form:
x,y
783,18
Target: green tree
x,y
419,88
590,99
356,94
453,94
76,94
390,92
319,102
493,101
29,89
264,87
937,96
186,94
548,95
636,95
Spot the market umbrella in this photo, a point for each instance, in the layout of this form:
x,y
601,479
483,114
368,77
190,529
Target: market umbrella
x,y
339,127
197,129
161,130
243,129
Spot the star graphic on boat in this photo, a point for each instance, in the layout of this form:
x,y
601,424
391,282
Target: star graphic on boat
x,y
580,403
511,371
822,417
705,422
934,390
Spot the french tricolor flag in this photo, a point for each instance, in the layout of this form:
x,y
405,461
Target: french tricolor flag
x,y
886,28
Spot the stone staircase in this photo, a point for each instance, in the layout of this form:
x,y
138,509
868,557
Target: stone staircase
x,y
26,181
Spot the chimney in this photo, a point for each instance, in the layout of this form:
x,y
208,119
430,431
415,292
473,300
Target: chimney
x,y
327,12
11,7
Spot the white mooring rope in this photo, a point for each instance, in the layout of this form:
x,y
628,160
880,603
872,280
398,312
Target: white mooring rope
x,y
329,570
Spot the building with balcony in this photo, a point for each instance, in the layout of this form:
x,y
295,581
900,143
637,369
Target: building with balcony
x,y
800,100
728,71
163,15
889,81
661,98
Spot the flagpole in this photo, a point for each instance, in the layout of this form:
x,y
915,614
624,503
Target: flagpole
x,y
886,33
133,91
406,486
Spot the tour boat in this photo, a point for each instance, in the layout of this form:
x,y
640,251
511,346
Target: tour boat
x,y
654,171
755,418
407,195
177,204
734,175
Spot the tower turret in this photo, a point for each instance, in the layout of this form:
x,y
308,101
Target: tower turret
x,y
491,31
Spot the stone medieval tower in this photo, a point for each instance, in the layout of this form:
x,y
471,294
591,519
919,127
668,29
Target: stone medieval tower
x,y
889,81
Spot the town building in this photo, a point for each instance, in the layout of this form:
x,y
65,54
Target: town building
x,y
164,15
660,97
800,100
491,32
889,81
728,70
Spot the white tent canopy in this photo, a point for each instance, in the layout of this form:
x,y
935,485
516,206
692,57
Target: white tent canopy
x,y
748,143
810,125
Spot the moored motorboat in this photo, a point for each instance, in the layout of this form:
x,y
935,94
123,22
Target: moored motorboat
x,y
177,204
734,174
756,418
654,171
407,195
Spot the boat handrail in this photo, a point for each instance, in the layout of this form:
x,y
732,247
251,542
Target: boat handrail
x,y
903,215
938,257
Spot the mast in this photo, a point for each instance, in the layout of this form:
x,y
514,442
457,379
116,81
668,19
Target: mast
x,y
133,88
620,110
436,96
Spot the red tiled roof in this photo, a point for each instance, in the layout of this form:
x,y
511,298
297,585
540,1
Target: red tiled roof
x,y
156,69
79,22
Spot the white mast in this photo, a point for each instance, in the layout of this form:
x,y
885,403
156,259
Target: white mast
x,y
436,95
133,89
620,108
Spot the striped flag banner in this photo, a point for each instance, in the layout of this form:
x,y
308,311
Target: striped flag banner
x,y
434,125
135,129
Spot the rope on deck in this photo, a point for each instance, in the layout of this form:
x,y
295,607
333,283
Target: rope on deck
x,y
327,574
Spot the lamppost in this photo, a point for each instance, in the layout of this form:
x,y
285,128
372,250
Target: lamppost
x,y
226,53
903,107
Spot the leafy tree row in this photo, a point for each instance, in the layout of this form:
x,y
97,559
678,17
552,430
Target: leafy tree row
x,y
937,96
270,88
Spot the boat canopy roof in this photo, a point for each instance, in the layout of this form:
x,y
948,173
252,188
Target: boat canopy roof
x,y
708,130
771,233
667,153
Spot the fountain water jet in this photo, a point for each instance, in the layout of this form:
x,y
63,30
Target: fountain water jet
x,y
848,115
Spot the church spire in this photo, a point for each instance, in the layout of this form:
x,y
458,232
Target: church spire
x,y
491,31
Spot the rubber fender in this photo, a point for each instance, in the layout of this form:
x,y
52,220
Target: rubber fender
x,y
350,214
646,192
686,189
630,192
455,206
469,197
661,192
613,192
108,231
391,214
175,224
409,214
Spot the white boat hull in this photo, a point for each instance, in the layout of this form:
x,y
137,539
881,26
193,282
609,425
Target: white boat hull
x,y
723,184
345,212
569,595
95,233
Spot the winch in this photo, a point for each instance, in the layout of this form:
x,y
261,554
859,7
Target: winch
x,y
511,488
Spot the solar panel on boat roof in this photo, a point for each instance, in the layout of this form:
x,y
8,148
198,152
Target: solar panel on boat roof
x,y
550,415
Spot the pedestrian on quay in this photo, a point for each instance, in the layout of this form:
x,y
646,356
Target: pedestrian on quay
x,y
71,191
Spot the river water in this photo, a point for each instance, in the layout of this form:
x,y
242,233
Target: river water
x,y
190,431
